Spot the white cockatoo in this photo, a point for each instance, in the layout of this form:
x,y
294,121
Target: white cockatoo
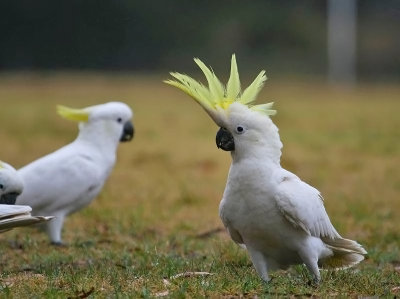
x,y
68,179
277,217
10,187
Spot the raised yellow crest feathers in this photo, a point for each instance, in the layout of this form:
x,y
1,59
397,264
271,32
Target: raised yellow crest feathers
x,y
80,115
216,96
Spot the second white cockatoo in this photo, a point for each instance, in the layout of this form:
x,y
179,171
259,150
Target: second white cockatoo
x,y
68,179
277,217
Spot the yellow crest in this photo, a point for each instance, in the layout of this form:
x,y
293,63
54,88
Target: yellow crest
x,y
1,165
80,115
217,96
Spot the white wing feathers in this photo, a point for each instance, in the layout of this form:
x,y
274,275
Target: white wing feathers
x,y
302,205
60,186
16,215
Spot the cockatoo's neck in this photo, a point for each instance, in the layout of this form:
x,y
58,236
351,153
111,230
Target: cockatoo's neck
x,y
261,153
101,136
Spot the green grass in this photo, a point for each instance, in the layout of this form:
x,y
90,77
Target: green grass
x,y
147,224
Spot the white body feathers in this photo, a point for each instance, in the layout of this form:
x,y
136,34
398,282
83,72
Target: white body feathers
x,y
69,179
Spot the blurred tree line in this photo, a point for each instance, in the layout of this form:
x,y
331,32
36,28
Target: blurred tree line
x,y
286,36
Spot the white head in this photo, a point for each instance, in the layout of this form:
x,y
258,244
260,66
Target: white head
x,y
245,129
10,184
249,134
110,120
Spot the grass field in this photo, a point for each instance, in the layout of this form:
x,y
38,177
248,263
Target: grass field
x,y
158,213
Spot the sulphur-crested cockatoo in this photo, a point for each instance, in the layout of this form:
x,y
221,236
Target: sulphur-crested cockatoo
x,y
277,217
10,187
68,179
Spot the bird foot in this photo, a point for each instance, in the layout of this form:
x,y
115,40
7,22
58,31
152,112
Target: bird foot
x,y
58,244
314,282
266,279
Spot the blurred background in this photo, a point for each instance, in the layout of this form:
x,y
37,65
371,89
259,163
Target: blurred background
x,y
286,37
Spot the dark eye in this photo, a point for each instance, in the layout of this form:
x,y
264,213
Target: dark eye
x,y
119,119
1,186
239,129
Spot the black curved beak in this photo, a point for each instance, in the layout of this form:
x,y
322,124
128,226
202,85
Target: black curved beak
x,y
224,140
128,132
9,198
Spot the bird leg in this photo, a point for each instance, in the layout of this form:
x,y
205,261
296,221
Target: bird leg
x,y
311,263
259,263
54,228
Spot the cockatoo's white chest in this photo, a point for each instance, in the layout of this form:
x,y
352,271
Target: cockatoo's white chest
x,y
245,200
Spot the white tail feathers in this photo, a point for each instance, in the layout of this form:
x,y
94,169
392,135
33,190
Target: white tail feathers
x,y
346,253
